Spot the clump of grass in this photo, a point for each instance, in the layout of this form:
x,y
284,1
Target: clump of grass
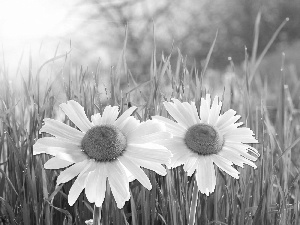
x,y
267,195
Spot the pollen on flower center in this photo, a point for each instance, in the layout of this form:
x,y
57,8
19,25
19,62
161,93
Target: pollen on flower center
x,y
104,143
203,139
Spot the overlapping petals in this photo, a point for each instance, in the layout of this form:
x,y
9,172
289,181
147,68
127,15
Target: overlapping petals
x,y
92,175
235,149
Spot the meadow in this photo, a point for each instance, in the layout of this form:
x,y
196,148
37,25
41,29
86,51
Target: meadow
x,y
266,195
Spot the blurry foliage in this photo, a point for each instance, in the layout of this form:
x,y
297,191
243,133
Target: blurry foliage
x,y
190,26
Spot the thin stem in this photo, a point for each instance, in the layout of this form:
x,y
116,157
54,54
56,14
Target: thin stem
x,y
96,215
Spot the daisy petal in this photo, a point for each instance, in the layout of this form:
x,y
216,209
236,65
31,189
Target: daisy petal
x,y
205,175
242,134
125,115
118,182
174,128
101,185
54,142
134,139
230,121
157,168
147,132
110,114
195,112
236,158
190,165
136,171
225,165
214,111
242,149
185,109
96,119
79,184
225,117
91,186
152,152
205,109
71,172
76,114
61,130
74,157
180,117
128,125
56,163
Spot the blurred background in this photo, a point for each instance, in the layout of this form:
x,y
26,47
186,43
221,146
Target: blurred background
x,y
92,34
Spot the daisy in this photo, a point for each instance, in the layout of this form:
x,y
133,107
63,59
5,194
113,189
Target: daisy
x,y
107,148
199,143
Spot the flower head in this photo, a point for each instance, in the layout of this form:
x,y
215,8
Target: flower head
x,y
108,148
199,143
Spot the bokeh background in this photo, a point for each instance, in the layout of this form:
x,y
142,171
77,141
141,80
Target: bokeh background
x,y
92,34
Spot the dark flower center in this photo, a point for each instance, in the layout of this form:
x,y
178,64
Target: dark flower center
x,y
104,143
203,139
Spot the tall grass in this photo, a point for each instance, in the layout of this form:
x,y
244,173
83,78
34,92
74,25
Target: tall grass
x,y
268,195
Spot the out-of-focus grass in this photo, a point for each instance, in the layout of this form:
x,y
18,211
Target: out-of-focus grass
x,y
268,195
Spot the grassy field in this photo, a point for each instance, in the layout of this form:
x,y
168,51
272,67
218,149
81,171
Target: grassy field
x,y
268,195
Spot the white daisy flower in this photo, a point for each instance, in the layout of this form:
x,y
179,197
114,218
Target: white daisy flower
x,y
108,147
199,143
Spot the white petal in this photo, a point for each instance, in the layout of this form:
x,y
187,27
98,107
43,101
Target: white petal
x,y
96,119
235,157
157,168
74,157
76,189
76,114
79,184
174,128
242,134
205,175
214,111
61,130
110,114
91,187
71,172
242,149
230,121
240,138
179,159
205,109
225,165
136,171
177,115
185,109
225,117
195,112
129,125
139,139
56,163
118,182
125,115
101,184
179,150
190,165
96,184
147,132
55,142
230,127
150,152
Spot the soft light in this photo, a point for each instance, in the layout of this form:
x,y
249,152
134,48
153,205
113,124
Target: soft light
x,y
29,19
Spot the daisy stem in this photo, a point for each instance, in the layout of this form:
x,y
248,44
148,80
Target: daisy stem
x,y
96,215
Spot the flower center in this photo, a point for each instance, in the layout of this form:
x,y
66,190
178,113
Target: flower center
x,y
203,139
104,143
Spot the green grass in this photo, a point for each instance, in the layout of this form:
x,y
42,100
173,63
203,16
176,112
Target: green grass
x,y
268,195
